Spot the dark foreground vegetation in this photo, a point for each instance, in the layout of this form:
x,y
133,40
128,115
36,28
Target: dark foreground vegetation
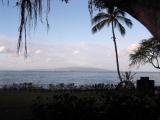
x,y
78,104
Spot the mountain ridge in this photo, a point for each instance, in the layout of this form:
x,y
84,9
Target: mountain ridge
x,y
80,69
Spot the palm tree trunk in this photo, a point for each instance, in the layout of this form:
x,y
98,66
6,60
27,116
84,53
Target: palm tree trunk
x,y
117,61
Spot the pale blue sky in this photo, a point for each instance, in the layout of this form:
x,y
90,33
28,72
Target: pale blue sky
x,y
69,42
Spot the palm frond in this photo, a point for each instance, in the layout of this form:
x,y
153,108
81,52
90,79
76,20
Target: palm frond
x,y
115,23
30,10
99,17
127,21
119,12
99,26
121,28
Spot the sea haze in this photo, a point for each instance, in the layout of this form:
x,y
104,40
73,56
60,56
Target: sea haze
x,y
69,75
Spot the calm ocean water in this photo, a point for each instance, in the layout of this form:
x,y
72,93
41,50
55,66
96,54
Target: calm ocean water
x,y
79,78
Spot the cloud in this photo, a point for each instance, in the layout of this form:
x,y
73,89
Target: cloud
x,y
55,55
48,59
126,51
132,47
76,52
7,45
3,49
38,51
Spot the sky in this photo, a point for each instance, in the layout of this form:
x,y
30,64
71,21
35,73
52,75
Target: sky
x,y
69,41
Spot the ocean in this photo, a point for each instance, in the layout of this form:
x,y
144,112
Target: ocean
x,y
67,77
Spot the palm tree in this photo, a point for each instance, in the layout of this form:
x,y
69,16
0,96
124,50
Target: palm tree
x,y
145,11
112,17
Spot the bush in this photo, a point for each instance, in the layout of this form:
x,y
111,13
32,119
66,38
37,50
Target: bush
x,y
108,106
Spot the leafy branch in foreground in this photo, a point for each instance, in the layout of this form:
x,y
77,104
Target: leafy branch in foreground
x,y
30,12
147,52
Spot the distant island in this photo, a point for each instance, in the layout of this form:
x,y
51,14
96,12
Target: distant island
x,y
80,69
69,69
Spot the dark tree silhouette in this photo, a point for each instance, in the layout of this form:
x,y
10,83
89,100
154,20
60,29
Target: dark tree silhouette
x,y
147,52
145,11
112,17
